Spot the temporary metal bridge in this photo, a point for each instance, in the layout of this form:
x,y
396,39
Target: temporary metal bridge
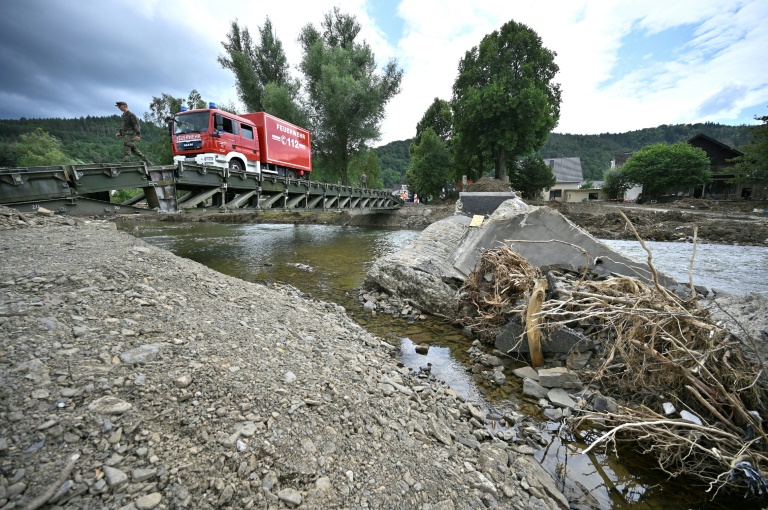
x,y
180,188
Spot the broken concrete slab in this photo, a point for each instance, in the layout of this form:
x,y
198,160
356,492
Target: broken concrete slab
x,y
545,237
430,270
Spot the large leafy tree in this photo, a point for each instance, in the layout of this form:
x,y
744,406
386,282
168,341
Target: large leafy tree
x,y
531,176
504,99
39,148
439,117
662,168
753,165
615,184
366,162
264,81
347,95
430,165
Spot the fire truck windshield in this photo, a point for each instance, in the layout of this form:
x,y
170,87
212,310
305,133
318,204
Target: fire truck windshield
x,y
196,122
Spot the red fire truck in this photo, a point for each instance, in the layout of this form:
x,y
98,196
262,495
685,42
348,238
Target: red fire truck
x,y
254,142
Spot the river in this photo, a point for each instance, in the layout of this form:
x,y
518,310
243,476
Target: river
x,y
329,263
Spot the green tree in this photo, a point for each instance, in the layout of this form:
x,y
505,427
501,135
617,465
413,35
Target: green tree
x,y
504,100
39,148
753,165
588,184
430,165
662,168
366,162
439,117
262,73
278,101
615,184
346,93
531,176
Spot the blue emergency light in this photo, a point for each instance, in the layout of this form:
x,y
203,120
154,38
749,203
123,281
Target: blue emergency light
x,y
183,108
211,105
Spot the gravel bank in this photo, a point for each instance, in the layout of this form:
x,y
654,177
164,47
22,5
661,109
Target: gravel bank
x,y
135,379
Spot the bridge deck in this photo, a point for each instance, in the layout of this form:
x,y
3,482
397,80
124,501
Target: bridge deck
x,y
184,187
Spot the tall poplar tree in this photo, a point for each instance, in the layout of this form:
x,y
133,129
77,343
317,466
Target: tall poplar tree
x,y
264,81
504,100
346,93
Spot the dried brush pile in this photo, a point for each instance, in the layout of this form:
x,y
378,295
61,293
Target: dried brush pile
x,y
651,339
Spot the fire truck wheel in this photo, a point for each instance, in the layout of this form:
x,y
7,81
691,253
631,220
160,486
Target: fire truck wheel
x,y
235,165
291,174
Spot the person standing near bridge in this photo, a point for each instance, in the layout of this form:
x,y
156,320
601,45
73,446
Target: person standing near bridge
x,y
130,131
363,180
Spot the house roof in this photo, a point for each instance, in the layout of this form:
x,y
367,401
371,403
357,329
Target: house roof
x,y
566,169
702,137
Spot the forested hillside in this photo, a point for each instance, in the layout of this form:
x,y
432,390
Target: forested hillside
x,y
595,151
92,140
87,139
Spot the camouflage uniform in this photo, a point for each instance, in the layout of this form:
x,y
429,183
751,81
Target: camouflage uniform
x,y
129,130
363,181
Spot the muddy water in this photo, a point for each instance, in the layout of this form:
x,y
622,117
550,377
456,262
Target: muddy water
x,y
329,263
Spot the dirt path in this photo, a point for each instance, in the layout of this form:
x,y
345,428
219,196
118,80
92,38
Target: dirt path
x,y
717,222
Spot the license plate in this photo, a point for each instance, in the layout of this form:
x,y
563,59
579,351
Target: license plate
x,y
190,159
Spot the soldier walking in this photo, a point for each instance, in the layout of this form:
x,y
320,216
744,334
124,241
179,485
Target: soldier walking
x,y
363,180
130,131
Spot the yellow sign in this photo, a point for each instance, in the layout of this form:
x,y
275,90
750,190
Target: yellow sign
x,y
477,220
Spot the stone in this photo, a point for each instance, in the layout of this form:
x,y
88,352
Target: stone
x,y
440,430
290,496
183,381
560,398
526,371
109,405
491,457
140,475
144,353
115,477
559,377
533,389
149,501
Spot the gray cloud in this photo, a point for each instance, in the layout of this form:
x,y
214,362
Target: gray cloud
x,y
72,59
723,101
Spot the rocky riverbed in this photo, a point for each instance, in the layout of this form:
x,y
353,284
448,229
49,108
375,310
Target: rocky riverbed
x,y
134,379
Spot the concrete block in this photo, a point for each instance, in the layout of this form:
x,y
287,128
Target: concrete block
x,y
483,203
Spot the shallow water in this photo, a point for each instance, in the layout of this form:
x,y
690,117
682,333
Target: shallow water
x,y
329,263
733,269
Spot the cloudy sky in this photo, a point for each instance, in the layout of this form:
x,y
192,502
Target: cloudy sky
x,y
624,64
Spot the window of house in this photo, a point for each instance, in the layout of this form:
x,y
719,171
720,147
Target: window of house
x,y
593,196
247,132
554,194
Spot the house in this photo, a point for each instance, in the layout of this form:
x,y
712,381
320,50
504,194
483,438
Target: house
x,y
568,177
720,156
